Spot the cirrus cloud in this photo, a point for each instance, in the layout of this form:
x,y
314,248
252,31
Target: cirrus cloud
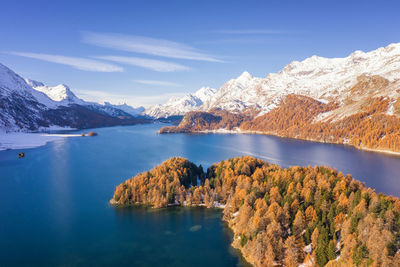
x,y
152,64
251,32
75,62
158,83
146,45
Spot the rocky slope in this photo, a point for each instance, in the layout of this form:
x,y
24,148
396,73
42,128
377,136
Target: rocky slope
x,y
27,105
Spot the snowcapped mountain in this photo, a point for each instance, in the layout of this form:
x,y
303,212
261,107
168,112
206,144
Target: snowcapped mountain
x,y
237,94
181,105
63,96
27,105
13,85
21,106
60,93
353,100
324,79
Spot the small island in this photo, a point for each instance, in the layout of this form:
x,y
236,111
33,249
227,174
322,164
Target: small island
x,y
313,216
92,134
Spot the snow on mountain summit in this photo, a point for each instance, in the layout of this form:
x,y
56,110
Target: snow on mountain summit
x,y
181,105
325,79
236,94
204,93
63,96
60,93
33,83
28,105
11,84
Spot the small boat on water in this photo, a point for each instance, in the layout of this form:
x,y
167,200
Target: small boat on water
x,y
21,155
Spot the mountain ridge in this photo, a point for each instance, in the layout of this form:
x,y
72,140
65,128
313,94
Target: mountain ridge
x,y
29,106
176,106
353,100
324,79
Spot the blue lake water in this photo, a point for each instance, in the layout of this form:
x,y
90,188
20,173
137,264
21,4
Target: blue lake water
x,y
54,202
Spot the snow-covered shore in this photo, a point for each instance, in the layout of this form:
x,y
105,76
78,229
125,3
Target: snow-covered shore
x,y
28,140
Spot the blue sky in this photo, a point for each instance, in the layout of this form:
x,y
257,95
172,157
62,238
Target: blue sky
x,y
143,52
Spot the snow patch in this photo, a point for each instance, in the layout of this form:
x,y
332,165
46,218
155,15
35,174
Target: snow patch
x,y
28,140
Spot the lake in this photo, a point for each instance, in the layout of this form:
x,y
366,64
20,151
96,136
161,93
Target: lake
x,y
54,202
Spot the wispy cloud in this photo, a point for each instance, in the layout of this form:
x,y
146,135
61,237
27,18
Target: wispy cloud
x,y
75,62
251,32
133,100
152,64
158,83
239,40
146,45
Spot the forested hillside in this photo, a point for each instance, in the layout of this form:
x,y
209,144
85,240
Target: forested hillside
x,y
311,215
363,120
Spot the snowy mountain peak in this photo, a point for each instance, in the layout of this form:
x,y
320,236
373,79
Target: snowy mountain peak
x,y
204,93
245,76
11,84
324,79
33,83
60,93
180,105
10,81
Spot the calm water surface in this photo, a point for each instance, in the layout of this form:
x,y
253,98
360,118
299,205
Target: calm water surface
x,y
54,203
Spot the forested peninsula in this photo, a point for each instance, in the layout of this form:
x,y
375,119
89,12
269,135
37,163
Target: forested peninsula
x,y
314,216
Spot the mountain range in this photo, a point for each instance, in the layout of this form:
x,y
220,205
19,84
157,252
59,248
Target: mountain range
x,y
323,79
353,100
28,106
178,106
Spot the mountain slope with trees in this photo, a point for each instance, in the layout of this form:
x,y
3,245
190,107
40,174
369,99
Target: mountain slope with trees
x,y
371,120
353,100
